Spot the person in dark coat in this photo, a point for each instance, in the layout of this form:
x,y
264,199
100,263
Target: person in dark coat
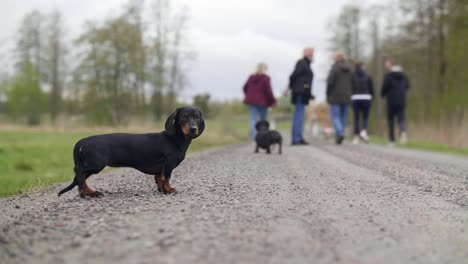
x,y
395,86
258,96
340,83
300,84
361,98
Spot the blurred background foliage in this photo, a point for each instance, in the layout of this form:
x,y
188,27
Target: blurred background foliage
x,y
429,38
132,68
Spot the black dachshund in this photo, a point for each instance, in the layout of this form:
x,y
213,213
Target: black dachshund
x,y
266,137
155,153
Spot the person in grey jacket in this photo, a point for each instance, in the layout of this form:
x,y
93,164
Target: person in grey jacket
x,y
340,83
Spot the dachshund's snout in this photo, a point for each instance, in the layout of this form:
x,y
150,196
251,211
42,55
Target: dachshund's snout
x,y
193,130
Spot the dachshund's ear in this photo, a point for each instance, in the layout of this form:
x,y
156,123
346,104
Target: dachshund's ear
x,y
170,125
201,125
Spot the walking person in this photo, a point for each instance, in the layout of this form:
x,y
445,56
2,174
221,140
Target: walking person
x,y
362,94
394,88
258,96
300,84
340,83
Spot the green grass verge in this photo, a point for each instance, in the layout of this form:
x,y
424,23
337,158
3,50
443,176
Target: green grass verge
x,y
429,146
35,159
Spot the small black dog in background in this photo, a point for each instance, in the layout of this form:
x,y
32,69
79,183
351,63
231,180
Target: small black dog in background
x,y
266,137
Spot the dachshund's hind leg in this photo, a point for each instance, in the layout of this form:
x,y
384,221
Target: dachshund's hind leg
x,y
83,188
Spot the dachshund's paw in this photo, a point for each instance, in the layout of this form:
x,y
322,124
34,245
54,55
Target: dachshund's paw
x,y
92,194
97,194
170,191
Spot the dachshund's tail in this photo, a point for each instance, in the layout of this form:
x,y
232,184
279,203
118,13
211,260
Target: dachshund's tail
x,y
77,160
69,187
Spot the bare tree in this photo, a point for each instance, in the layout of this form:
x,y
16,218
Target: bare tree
x,y
347,32
159,52
55,61
29,43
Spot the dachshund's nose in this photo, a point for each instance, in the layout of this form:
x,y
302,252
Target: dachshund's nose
x,y
193,129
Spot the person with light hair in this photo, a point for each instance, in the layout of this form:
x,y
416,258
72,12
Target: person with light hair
x,y
258,96
340,83
300,84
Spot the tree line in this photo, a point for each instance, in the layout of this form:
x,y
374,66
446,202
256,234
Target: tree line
x,y
131,63
429,38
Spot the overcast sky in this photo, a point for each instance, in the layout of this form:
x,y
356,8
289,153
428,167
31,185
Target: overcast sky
x,y
229,36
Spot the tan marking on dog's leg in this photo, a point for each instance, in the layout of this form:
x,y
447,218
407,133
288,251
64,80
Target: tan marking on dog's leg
x,y
168,189
160,182
86,191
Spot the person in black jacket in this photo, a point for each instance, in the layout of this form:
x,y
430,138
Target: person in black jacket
x,y
394,88
300,84
362,94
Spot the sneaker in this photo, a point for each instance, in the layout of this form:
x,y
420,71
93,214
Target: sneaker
x,y
356,140
403,138
364,136
391,145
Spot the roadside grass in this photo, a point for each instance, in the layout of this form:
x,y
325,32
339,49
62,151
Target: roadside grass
x,y
424,145
31,159
36,158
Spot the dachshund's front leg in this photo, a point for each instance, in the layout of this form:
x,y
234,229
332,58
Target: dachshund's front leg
x,y
167,187
162,181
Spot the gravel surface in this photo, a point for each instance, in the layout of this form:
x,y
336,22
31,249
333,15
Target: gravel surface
x,y
313,204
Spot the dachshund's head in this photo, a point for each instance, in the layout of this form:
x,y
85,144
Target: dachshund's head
x,y
186,120
262,125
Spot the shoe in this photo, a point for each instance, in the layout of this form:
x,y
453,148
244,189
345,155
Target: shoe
x,y
300,143
339,140
364,136
391,145
403,138
356,140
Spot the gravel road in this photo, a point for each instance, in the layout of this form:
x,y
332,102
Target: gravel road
x,y
313,204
